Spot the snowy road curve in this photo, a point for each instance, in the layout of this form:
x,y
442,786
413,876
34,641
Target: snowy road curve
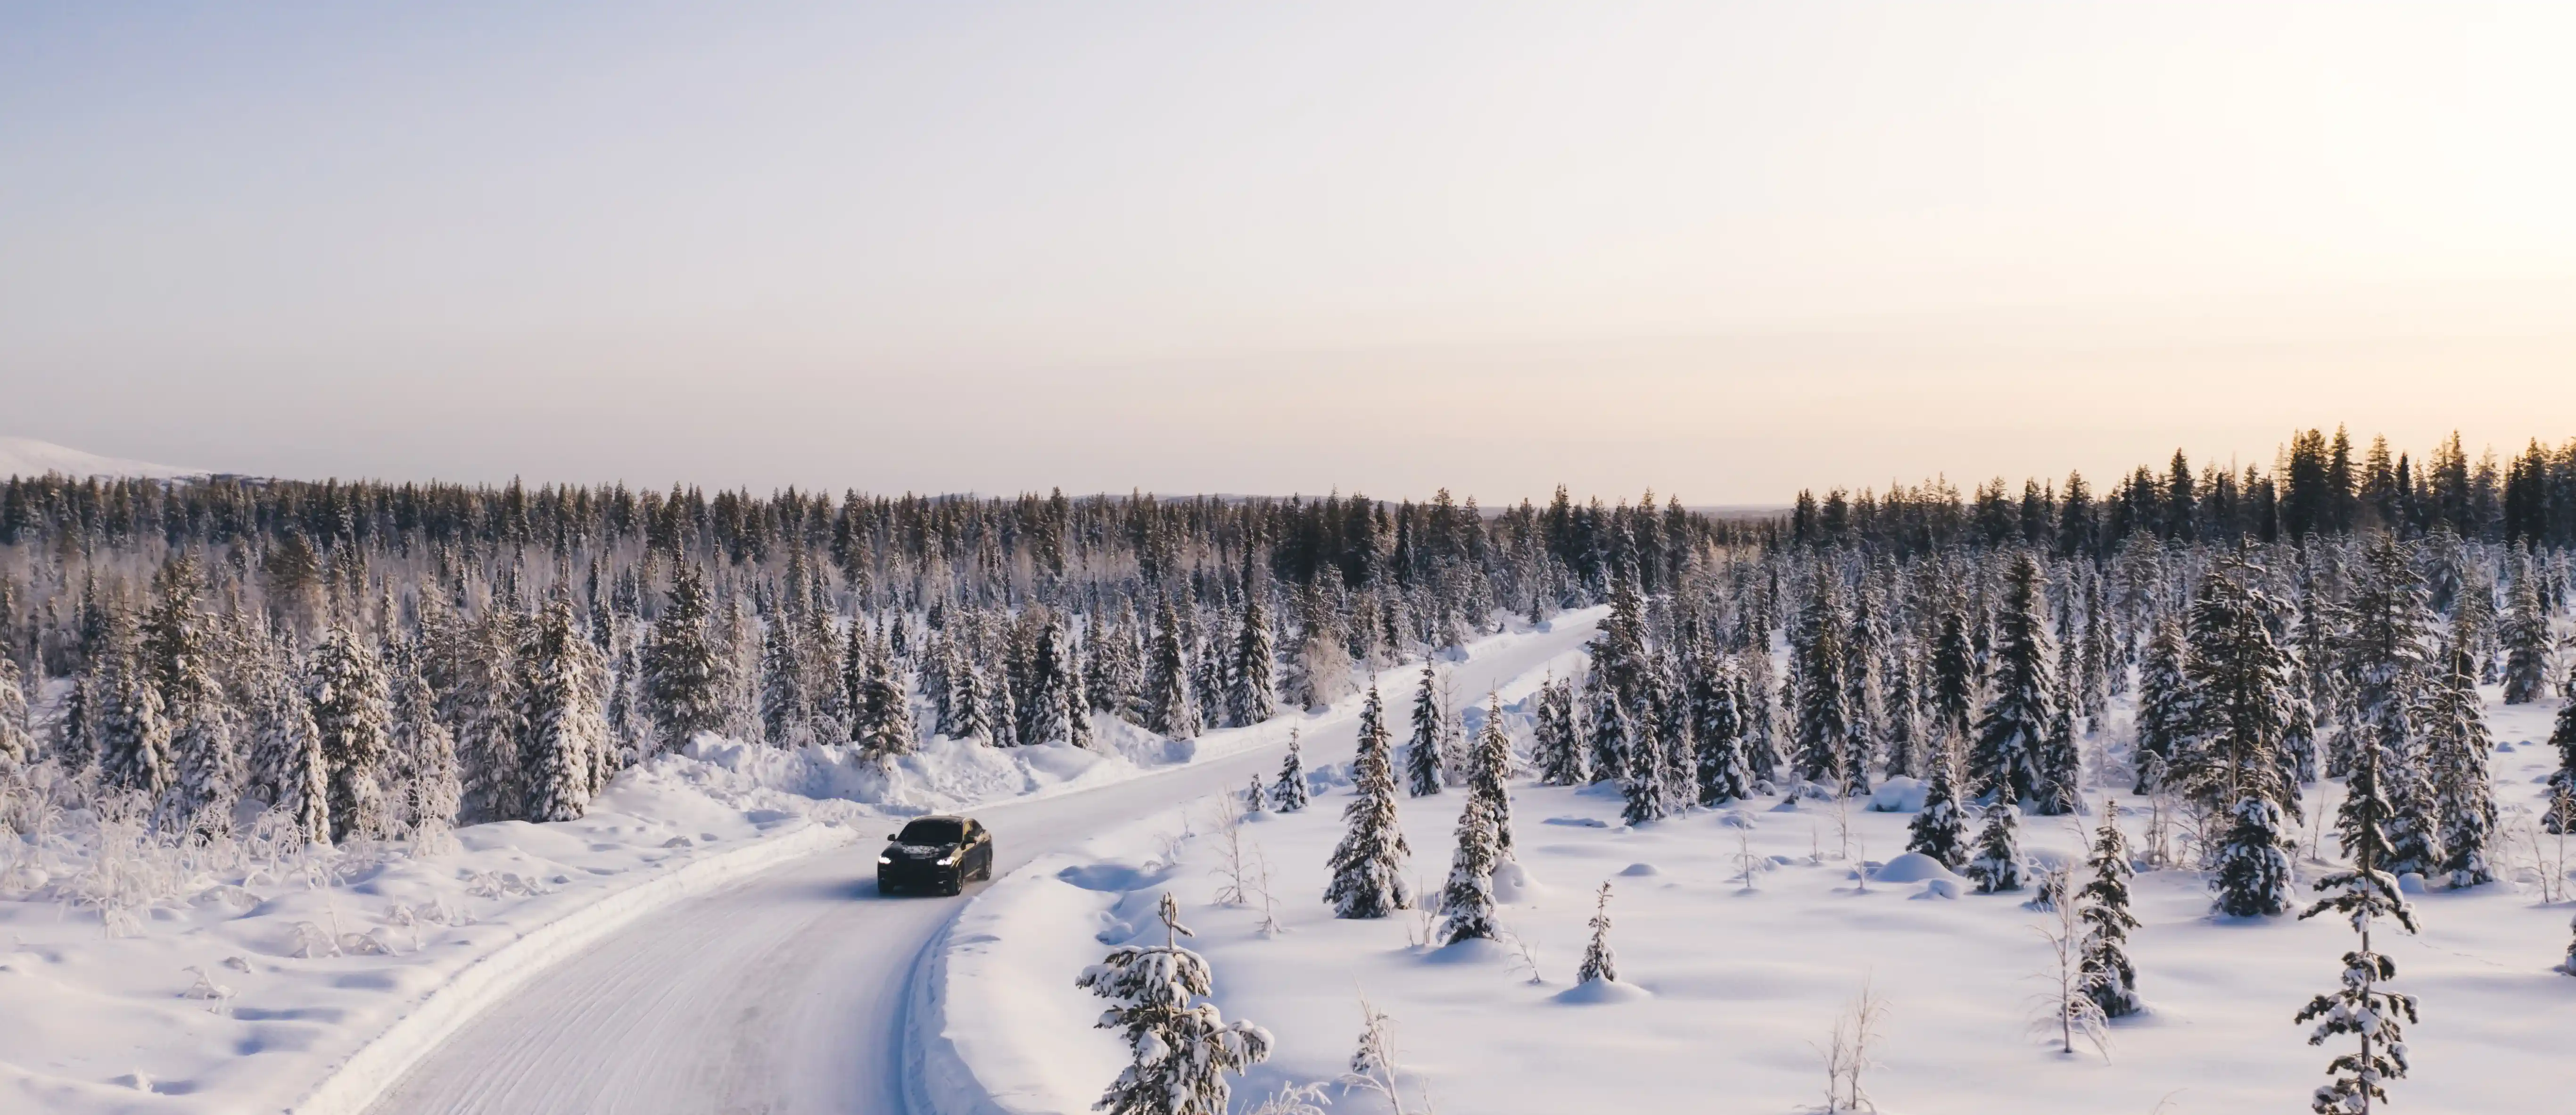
x,y
785,994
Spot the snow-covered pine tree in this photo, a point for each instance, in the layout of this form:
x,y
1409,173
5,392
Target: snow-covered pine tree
x,y
1489,772
2526,640
1599,963
1288,794
1609,743
685,674
1761,735
473,669
2364,893
133,735
1179,1048
1254,695
350,697
205,758
1056,710
2061,765
287,768
1901,716
1556,746
1940,830
2164,709
1467,900
1954,672
883,729
2245,689
1168,711
1722,773
2456,746
2014,726
786,708
17,742
1422,759
1646,792
2253,875
1997,867
566,731
2562,735
2109,979
1822,725
1368,865
427,779
2385,652
1862,727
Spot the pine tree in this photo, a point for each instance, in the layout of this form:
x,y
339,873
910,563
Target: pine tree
x,y
133,735
1646,791
2164,709
1954,673
685,675
287,764
1599,963
786,707
17,743
1940,830
2061,766
350,697
1467,901
1717,731
2562,735
1422,753
1056,711
1556,746
1902,718
2456,746
1609,742
205,759
423,751
2365,893
2527,643
1824,723
1254,696
566,731
1288,794
2253,876
1168,711
2109,979
1179,1049
2018,720
1997,867
1489,772
1368,865
882,730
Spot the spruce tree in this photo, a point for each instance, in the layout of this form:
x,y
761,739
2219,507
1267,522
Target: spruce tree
x,y
17,743
882,729
1467,900
205,757
1422,763
2365,893
1168,711
1599,963
1489,772
566,730
1556,746
1940,830
1609,735
786,708
1954,673
287,765
2456,746
1997,867
1179,1048
1254,695
2526,642
350,697
1823,724
2164,709
685,675
1056,711
2562,735
2109,979
1368,865
424,752
133,735
2018,719
1901,718
1722,772
2253,876
1288,794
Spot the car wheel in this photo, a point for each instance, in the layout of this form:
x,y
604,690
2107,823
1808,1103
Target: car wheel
x,y
957,884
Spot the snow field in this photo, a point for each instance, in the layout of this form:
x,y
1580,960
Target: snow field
x,y
1738,987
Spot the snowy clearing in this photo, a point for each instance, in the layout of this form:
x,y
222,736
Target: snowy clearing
x,y
1736,988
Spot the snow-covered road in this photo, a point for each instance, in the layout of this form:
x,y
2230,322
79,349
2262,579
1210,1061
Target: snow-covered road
x,y
787,993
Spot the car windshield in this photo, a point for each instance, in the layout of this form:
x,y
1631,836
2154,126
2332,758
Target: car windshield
x,y
934,831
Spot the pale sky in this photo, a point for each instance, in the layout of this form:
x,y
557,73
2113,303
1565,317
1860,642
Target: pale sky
x,y
1725,250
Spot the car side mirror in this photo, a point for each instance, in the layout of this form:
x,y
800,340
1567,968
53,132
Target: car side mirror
x,y
894,836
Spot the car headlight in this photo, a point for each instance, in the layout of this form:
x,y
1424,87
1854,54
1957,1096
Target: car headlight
x,y
884,860
955,856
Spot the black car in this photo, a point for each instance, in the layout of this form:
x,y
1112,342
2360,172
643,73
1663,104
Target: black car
x,y
937,854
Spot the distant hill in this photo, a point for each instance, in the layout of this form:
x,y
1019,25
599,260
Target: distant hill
x,y
26,456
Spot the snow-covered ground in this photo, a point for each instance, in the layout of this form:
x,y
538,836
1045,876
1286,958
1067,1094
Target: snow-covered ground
x,y
26,456
245,976
1742,984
